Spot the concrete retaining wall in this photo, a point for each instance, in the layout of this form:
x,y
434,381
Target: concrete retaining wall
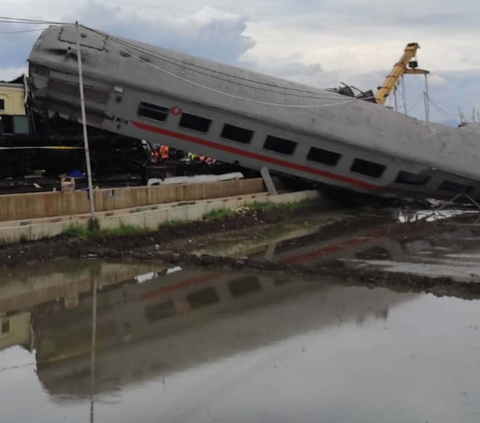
x,y
149,217
34,206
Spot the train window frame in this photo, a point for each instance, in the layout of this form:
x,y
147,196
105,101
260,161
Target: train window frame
x,y
160,311
450,186
271,139
196,299
409,178
335,157
208,122
229,127
164,111
63,88
368,168
244,286
2,104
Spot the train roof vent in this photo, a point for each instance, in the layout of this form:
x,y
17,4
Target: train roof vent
x,y
68,34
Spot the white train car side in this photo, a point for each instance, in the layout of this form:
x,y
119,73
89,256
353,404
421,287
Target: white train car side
x,y
239,116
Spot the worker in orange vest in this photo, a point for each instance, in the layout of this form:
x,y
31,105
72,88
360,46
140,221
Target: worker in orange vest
x,y
164,151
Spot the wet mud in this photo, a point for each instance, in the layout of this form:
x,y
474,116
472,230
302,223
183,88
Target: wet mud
x,y
356,248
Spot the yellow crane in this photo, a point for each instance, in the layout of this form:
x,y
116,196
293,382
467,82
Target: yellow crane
x,y
405,66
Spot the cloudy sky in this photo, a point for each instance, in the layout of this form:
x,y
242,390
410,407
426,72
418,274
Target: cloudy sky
x,y
316,42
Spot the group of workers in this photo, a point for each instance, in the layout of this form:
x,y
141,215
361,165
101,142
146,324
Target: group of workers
x,y
162,153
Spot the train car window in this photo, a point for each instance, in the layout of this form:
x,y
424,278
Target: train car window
x,y
160,311
235,133
96,95
2,104
7,124
374,253
20,125
5,326
408,178
364,167
203,298
152,111
279,145
323,156
454,187
63,87
244,286
195,123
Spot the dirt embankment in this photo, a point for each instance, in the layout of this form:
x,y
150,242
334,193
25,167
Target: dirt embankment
x,y
246,224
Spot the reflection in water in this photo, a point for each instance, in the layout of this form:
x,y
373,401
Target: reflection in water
x,y
93,352
136,329
232,346
167,344
443,243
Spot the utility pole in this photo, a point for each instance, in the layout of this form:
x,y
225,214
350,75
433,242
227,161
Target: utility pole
x,y
426,99
84,124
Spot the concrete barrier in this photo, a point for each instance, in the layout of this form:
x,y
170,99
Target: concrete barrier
x,y
48,204
147,217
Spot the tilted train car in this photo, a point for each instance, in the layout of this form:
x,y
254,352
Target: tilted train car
x,y
238,116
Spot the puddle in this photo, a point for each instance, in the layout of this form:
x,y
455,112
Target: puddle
x,y
196,346
448,245
432,215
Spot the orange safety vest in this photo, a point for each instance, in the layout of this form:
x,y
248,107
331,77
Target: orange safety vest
x,y
164,152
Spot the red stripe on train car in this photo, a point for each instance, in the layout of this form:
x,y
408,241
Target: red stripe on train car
x,y
255,156
180,286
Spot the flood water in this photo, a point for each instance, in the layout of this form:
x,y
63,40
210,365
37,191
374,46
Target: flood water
x,y
184,345
424,243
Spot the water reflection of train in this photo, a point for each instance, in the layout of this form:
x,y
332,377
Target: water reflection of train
x,y
147,328
420,242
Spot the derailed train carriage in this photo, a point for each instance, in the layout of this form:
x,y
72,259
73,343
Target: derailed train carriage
x,y
31,141
237,116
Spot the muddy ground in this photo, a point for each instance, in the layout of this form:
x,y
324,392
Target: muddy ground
x,y
191,244
185,238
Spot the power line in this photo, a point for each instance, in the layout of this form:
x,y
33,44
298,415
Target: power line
x,y
111,41
22,31
214,73
6,19
440,109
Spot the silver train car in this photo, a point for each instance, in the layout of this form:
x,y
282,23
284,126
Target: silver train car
x,y
243,117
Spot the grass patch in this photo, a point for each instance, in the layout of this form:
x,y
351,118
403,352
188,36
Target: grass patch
x,y
75,231
218,214
175,223
266,206
122,230
269,206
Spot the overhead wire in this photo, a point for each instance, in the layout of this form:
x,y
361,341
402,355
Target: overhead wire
x,y
6,19
440,112
411,104
111,41
24,21
214,73
22,31
440,109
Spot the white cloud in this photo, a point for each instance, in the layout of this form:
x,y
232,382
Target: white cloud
x,y
9,74
319,43
208,33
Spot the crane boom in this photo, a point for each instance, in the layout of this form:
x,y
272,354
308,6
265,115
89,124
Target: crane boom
x,y
401,68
